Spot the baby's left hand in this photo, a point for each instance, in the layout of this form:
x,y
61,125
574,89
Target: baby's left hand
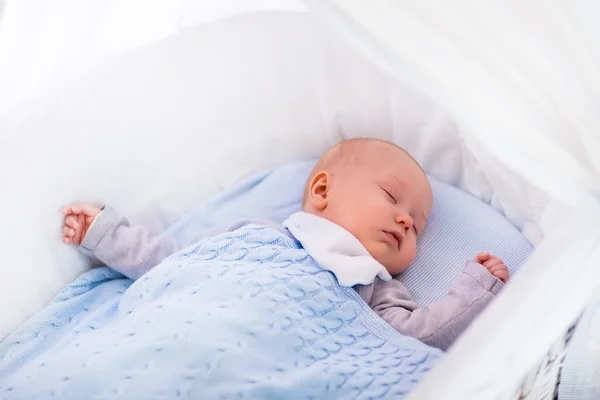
x,y
494,265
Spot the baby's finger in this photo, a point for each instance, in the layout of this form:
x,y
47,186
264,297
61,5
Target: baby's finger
x,y
71,220
492,262
482,257
86,209
68,232
502,275
66,240
72,210
496,268
79,232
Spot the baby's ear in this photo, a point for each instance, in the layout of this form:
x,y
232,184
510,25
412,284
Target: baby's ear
x,y
317,190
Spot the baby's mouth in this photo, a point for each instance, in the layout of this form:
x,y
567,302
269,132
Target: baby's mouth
x,y
396,237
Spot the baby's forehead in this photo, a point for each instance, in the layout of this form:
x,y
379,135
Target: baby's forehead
x,y
374,156
392,163
368,153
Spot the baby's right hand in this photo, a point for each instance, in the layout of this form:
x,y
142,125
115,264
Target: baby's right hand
x,y
78,219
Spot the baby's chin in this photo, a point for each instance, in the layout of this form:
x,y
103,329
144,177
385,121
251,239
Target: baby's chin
x,y
396,271
394,268
391,263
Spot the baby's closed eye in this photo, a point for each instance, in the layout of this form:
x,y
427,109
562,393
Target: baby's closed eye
x,y
390,196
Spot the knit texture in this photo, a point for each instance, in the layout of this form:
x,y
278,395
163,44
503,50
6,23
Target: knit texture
x,y
243,315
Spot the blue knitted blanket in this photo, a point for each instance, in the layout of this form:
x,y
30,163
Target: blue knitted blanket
x,y
245,314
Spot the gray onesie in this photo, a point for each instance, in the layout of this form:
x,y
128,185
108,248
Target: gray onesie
x,y
133,250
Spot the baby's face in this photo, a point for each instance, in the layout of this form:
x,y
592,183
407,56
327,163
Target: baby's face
x,y
384,202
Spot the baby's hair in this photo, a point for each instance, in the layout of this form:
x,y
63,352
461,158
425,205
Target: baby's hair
x,y
343,154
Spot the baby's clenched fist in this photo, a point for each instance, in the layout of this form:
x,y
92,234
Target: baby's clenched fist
x,y
494,265
78,219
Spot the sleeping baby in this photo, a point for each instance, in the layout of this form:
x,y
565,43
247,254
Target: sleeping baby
x,y
365,204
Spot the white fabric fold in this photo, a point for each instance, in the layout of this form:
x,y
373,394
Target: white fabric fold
x,y
335,249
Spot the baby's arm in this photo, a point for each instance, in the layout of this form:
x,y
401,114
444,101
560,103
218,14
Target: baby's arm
x,y
441,322
108,236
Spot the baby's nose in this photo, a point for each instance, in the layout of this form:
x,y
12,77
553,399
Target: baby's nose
x,y
404,219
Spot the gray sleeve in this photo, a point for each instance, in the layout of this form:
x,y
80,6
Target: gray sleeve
x,y
441,322
129,249
133,250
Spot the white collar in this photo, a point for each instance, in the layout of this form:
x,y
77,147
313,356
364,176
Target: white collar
x,y
335,249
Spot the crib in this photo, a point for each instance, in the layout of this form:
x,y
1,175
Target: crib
x,y
499,100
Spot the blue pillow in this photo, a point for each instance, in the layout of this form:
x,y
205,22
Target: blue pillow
x,y
459,226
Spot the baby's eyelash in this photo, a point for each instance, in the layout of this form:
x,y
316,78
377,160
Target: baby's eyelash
x,y
389,194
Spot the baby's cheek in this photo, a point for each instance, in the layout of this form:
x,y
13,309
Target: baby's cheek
x,y
409,251
381,252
